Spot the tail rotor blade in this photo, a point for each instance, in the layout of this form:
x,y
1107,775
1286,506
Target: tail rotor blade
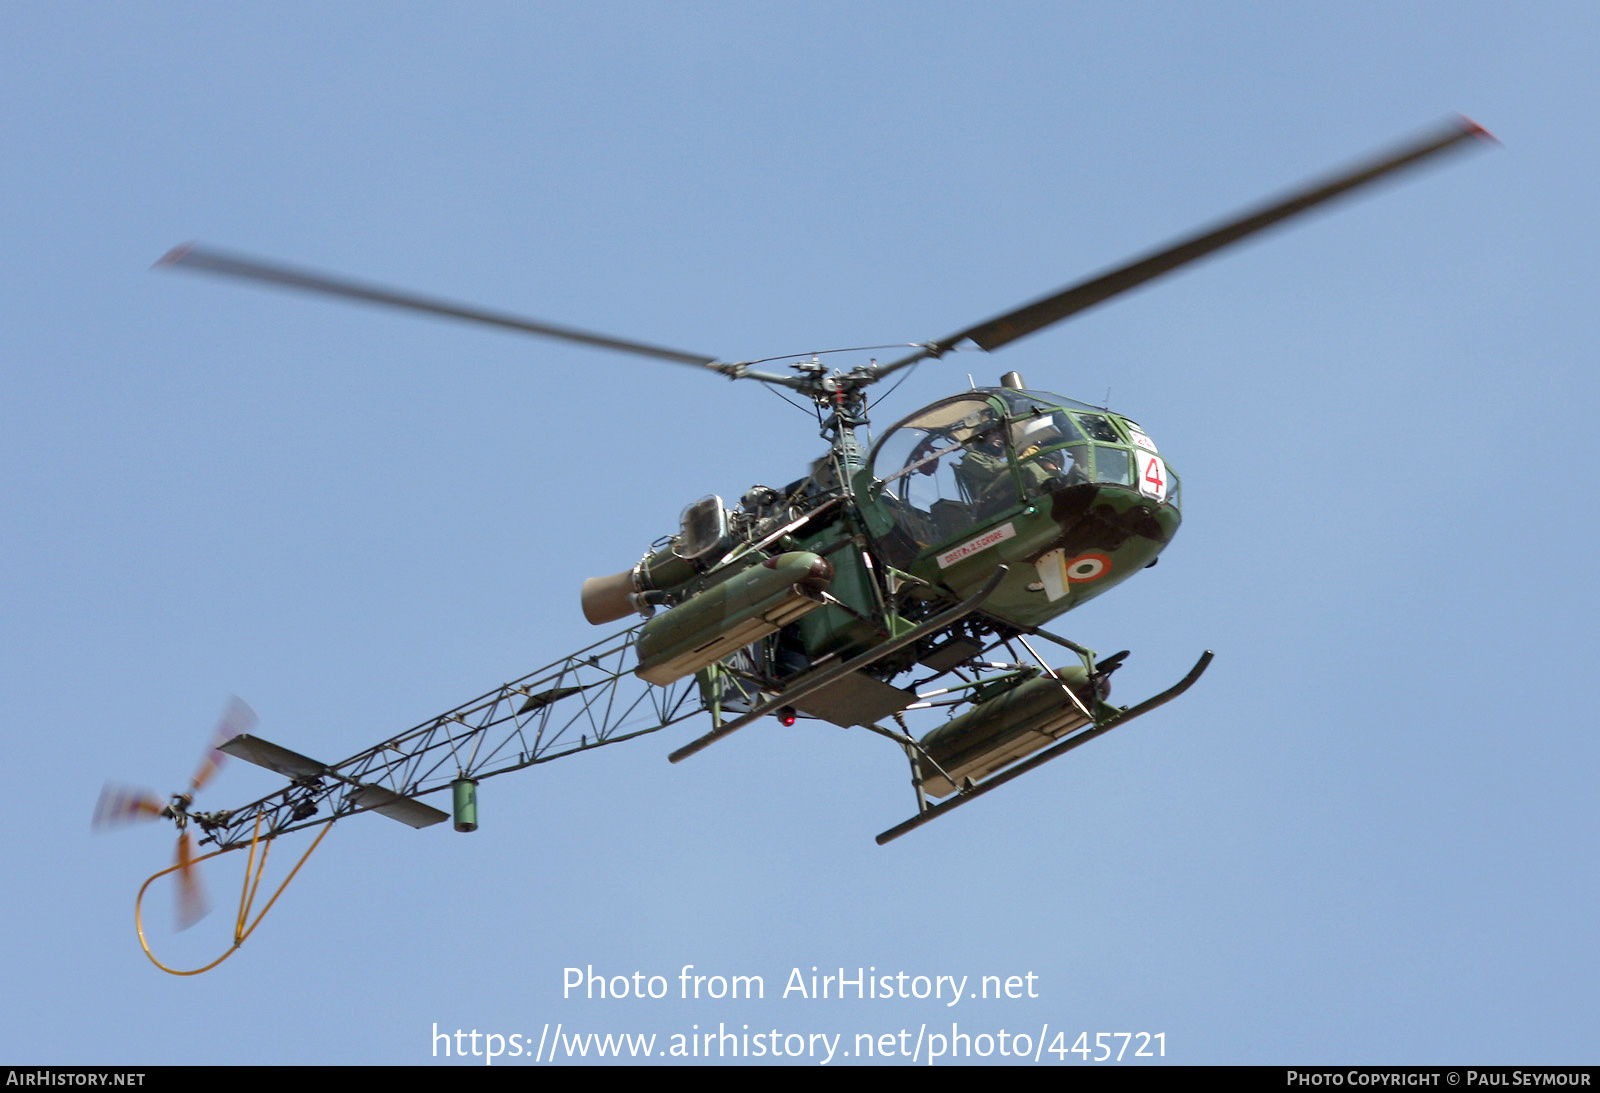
x,y
120,805
191,896
236,719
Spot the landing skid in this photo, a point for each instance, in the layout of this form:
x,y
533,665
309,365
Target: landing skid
x,y
928,813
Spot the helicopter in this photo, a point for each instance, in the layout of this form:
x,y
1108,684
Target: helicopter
x,y
917,573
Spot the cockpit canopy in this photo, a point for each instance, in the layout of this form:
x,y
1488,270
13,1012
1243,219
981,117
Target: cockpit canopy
x,y
974,457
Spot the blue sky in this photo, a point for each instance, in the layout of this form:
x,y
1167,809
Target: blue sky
x,y
1367,835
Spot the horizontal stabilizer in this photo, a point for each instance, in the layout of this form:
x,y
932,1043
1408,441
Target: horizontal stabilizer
x,y
406,810
264,753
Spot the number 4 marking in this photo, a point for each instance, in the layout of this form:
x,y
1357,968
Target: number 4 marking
x,y
1152,476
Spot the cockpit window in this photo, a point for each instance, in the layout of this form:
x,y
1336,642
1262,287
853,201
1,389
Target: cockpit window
x,y
1111,465
1099,428
1021,402
1044,429
1063,439
962,463
946,469
1049,444
917,445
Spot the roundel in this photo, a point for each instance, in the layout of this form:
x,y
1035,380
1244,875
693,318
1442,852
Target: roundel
x,y
1088,567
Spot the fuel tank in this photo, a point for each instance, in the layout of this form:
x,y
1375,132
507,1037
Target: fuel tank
x,y
730,615
1005,727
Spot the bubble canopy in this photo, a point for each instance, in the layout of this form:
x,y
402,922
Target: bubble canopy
x,y
973,457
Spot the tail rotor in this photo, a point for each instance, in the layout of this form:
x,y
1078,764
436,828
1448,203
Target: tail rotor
x,y
120,806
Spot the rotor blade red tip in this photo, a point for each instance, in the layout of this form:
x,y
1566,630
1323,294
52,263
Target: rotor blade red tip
x,y
173,256
1470,126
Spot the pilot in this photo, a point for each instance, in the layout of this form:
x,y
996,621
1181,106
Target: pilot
x,y
985,471
985,474
1060,464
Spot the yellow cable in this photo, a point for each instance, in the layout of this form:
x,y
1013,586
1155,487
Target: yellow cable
x,y
246,897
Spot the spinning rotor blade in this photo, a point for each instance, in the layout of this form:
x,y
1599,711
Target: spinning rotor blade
x,y
192,906
120,805
1003,329
191,257
237,719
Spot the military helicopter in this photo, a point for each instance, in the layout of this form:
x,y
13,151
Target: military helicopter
x,y
917,574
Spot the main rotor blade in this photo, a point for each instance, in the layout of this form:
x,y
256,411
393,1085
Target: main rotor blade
x,y
197,259
1003,329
